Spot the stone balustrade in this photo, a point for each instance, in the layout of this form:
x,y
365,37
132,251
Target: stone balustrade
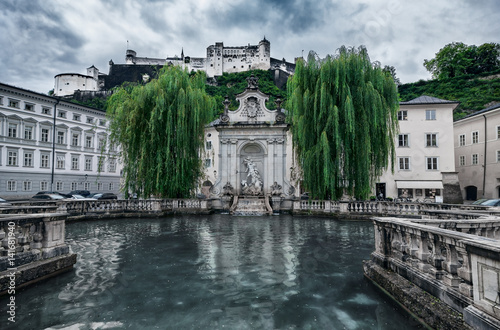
x,y
461,269
33,246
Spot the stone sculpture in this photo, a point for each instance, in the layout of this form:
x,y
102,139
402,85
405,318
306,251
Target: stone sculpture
x,y
253,183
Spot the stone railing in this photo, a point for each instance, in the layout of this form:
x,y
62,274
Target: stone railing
x,y
36,239
460,269
379,208
142,206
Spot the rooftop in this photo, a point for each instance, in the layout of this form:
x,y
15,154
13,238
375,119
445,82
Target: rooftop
x,y
424,99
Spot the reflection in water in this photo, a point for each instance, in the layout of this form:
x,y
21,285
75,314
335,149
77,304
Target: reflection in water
x,y
213,272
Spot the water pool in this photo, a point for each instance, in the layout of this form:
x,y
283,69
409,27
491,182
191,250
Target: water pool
x,y
213,272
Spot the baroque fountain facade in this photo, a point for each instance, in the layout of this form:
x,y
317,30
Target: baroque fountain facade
x,y
253,156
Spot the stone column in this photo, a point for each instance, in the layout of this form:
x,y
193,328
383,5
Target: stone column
x,y
233,166
279,161
223,168
270,176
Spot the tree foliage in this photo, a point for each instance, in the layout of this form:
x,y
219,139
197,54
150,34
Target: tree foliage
x,y
474,92
343,113
160,129
457,59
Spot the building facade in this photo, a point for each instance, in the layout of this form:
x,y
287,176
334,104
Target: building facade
x,y
48,144
425,166
477,153
249,151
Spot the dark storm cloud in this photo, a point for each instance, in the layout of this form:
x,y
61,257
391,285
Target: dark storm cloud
x,y
295,16
43,38
36,38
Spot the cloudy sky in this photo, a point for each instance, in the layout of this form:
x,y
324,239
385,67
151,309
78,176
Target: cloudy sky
x,y
42,38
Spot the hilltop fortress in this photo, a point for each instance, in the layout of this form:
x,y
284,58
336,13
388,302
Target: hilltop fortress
x,y
219,60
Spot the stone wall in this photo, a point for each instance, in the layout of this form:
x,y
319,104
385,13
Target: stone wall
x,y
32,247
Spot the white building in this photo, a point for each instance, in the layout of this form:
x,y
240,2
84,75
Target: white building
x,y
425,166
50,144
477,153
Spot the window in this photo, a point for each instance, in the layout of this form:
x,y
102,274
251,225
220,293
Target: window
x,y
462,160
432,163
75,161
475,137
13,103
102,143
44,161
100,163
208,145
45,111
102,122
11,185
28,159
61,114
475,158
88,163
99,186
44,185
461,140
77,118
90,120
60,137
403,115
59,186
86,185
404,163
12,158
74,185
112,165
430,114
60,161
75,139
45,135
111,186
431,140
27,186
498,156
498,132
404,140
88,141
12,130
208,162
29,107
28,133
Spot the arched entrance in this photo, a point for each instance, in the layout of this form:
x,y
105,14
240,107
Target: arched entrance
x,y
471,193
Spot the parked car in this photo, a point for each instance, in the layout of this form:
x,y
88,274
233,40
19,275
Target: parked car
x,y
491,202
105,196
4,203
81,198
84,193
479,201
47,197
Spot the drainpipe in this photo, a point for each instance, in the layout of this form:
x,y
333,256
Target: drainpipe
x,y
53,147
484,157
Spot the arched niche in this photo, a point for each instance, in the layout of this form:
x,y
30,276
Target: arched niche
x,y
253,151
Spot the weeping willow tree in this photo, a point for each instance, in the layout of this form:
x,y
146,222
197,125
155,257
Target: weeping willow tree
x,y
160,129
343,113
